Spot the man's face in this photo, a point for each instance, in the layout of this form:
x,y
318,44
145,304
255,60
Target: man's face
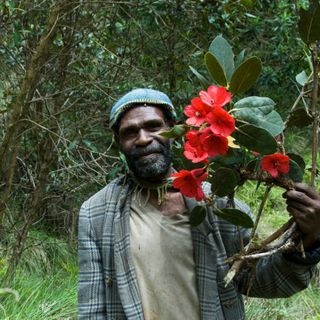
x,y
148,154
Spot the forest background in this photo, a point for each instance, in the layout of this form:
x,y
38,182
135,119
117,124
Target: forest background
x,y
63,65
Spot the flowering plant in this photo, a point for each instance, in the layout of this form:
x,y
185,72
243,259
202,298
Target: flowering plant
x,y
223,140
231,142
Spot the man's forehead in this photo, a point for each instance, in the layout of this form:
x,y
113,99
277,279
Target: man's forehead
x,y
142,113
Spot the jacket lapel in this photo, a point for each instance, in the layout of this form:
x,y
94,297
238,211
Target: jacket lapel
x,y
125,273
205,256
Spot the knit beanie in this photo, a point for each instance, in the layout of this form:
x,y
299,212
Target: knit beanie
x,y
141,96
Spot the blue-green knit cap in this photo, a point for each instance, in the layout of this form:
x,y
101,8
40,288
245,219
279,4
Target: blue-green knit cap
x,y
143,96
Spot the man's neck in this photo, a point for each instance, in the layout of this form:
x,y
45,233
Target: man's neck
x,y
172,204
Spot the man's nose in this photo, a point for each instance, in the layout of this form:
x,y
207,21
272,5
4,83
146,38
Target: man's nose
x,y
143,138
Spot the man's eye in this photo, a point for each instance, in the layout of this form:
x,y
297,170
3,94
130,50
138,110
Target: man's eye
x,y
155,127
128,133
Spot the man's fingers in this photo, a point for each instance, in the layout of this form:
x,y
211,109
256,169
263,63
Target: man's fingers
x,y
299,207
298,196
308,190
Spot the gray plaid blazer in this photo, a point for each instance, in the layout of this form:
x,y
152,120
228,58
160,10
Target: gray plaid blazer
x,y
108,289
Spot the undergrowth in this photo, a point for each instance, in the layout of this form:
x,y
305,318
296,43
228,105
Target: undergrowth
x,y
45,281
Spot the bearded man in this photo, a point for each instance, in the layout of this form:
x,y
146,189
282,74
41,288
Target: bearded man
x,y
139,258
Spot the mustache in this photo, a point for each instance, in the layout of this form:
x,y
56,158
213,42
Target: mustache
x,y
136,153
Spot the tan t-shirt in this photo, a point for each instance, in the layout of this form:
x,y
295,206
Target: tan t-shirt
x,y
163,258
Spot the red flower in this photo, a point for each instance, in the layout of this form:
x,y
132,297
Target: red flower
x,y
195,154
196,112
215,96
221,122
275,164
213,144
193,149
193,136
189,182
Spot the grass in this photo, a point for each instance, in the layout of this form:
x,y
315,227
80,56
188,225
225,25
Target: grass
x,y
303,305
50,297
46,282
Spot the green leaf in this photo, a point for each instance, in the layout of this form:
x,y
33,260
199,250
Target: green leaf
x,y
309,23
239,58
124,161
247,3
245,75
302,78
232,158
259,112
299,118
298,159
197,215
113,173
204,81
224,181
177,131
252,165
4,291
221,49
89,145
255,139
235,216
215,69
295,173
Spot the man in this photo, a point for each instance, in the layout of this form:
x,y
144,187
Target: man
x,y
140,259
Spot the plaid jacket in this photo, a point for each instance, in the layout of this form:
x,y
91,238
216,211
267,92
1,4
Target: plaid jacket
x,y
108,288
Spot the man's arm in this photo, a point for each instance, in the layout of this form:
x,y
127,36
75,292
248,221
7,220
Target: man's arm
x,y
91,289
282,275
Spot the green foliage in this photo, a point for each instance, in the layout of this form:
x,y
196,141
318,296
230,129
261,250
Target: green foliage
x,y
177,131
224,181
48,297
255,138
260,112
215,69
222,51
300,118
197,215
235,216
245,75
220,63
295,173
309,23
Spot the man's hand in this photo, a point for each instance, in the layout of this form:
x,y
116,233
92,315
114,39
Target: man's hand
x,y
303,203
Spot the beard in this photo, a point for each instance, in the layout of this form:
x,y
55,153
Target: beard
x,y
151,162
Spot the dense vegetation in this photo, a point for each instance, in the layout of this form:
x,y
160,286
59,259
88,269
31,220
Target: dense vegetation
x,y
63,64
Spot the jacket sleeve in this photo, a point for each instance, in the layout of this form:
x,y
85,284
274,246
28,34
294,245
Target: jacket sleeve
x,y
91,288
279,275
274,277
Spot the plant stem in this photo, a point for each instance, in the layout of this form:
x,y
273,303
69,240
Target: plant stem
x,y
314,112
260,210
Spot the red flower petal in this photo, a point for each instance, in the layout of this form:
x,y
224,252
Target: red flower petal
x,y
213,144
189,182
215,96
275,164
194,154
196,112
220,94
221,122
